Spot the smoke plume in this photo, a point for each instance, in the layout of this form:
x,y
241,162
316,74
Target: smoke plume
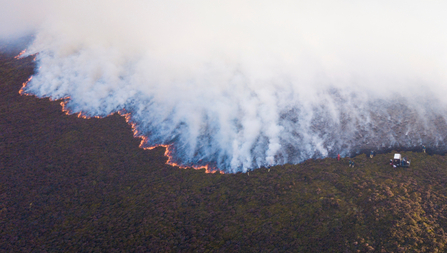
x,y
243,84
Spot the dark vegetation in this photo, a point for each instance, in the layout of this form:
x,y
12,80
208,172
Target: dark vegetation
x,y
75,185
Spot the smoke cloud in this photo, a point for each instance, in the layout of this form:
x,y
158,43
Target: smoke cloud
x,y
243,84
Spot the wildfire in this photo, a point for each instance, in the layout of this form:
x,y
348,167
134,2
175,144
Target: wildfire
x,y
21,53
79,115
136,134
168,148
22,90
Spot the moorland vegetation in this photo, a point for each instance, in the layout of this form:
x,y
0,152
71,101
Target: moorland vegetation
x,y
82,185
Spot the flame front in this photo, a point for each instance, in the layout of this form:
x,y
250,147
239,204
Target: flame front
x,y
22,90
127,116
168,148
20,54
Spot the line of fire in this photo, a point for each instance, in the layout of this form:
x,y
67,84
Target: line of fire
x,y
127,116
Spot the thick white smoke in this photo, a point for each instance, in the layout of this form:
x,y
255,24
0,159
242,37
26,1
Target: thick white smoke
x,y
244,84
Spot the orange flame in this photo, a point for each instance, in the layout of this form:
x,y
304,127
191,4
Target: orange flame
x,y
79,114
168,148
22,90
136,134
19,55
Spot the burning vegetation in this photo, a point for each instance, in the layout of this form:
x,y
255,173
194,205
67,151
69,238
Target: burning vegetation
x,y
127,116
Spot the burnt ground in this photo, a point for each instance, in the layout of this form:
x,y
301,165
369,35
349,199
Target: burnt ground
x,y
76,185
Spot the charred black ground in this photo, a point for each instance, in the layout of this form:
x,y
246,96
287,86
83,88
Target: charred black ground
x,y
70,184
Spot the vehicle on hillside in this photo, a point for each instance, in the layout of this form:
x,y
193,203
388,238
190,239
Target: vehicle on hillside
x,y
398,161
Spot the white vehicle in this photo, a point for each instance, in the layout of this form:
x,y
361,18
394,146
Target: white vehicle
x,y
398,161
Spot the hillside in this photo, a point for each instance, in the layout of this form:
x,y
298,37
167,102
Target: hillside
x,y
82,185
